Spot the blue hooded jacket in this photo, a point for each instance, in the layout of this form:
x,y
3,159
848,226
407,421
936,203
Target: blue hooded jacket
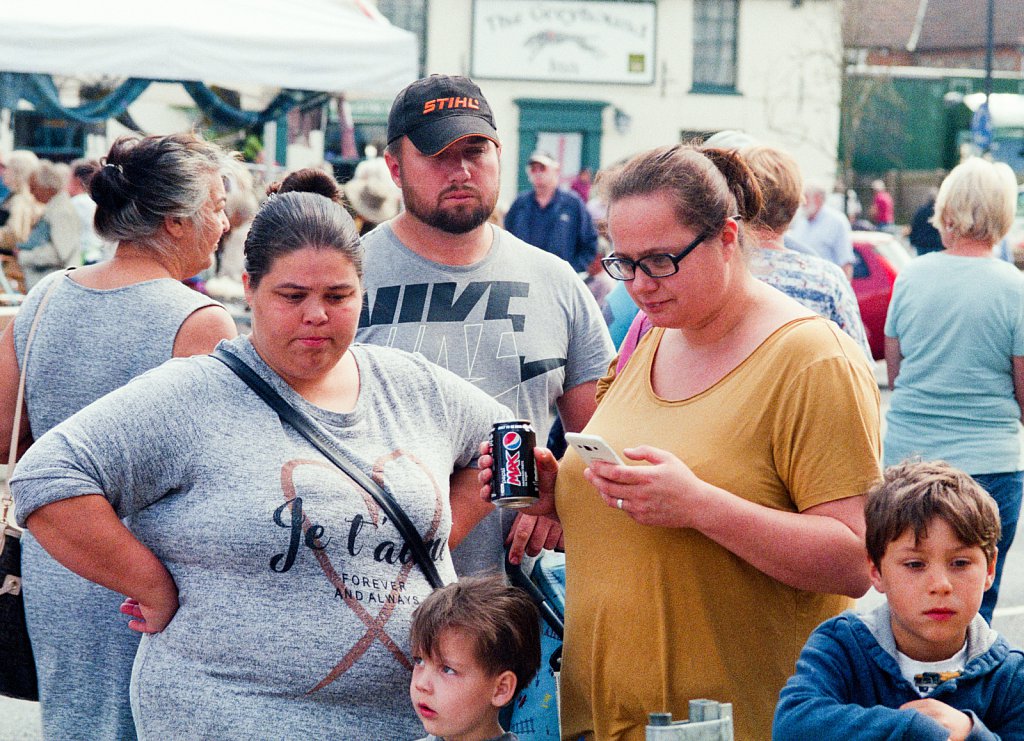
x,y
848,686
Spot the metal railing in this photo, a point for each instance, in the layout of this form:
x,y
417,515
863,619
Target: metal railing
x,y
709,721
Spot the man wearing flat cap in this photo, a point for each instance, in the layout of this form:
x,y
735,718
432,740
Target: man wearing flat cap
x,y
553,219
444,282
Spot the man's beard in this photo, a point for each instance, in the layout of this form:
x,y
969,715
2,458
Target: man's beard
x,y
459,220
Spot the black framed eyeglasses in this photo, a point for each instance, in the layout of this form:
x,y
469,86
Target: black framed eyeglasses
x,y
661,265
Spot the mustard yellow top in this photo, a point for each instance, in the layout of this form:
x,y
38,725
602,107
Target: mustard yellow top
x,y
659,616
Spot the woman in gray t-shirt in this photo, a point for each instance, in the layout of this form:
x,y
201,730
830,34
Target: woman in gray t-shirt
x,y
161,200
274,595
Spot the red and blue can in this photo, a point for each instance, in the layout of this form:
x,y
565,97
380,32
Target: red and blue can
x,y
514,480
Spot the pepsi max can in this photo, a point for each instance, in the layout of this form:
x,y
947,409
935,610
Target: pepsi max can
x,y
514,481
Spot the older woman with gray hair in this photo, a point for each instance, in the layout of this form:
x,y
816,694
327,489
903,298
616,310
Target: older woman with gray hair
x,y
161,200
55,240
955,346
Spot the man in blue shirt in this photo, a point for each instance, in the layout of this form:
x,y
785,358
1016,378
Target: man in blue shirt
x,y
553,219
824,229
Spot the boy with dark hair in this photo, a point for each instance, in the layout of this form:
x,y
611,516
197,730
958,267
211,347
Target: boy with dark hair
x,y
474,643
924,665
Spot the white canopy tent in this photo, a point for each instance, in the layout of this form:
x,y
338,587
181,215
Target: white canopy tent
x,y
324,45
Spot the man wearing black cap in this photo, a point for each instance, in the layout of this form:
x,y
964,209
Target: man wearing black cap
x,y
444,282
555,220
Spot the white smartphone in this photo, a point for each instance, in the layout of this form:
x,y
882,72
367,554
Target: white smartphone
x,y
592,448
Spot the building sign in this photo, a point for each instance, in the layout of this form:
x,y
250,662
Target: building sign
x,y
564,41
370,110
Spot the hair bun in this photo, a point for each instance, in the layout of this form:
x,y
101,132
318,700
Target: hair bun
x,y
109,187
308,180
740,179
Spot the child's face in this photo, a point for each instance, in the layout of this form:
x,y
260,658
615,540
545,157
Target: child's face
x,y
934,588
455,698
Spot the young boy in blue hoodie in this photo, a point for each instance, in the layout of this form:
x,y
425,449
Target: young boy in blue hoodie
x,y
924,665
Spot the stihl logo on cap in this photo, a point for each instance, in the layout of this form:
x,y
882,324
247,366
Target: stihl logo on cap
x,y
439,104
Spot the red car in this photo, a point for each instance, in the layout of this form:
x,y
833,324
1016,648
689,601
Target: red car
x,y
877,258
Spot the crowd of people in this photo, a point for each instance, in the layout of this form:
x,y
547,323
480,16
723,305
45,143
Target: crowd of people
x,y
272,593
46,217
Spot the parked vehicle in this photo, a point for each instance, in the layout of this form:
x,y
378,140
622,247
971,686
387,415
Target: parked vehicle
x,y
877,258
1015,237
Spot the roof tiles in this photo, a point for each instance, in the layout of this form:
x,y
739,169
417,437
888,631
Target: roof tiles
x,y
948,25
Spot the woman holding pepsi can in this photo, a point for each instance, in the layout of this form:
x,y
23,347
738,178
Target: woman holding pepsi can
x,y
274,593
749,430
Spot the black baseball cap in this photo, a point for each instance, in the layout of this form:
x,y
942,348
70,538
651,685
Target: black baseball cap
x,y
437,111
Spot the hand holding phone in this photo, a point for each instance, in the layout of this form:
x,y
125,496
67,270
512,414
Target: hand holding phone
x,y
592,448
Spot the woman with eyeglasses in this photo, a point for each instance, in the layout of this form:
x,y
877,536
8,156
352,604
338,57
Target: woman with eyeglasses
x,y
749,428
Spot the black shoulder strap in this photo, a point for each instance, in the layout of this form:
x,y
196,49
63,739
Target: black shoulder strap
x,y
322,442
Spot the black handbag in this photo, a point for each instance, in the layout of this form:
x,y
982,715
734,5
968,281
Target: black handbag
x,y
322,442
17,665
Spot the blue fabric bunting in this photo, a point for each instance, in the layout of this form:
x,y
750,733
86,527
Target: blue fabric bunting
x,y
41,92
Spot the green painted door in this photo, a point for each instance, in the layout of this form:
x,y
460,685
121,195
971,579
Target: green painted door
x,y
570,128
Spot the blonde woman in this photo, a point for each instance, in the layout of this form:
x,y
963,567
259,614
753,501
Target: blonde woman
x,y
816,283
22,209
19,211
954,346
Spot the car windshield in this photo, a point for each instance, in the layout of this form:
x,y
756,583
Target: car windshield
x,y
887,246
895,251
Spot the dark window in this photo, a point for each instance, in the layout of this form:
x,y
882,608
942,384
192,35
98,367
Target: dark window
x,y
54,139
714,45
412,16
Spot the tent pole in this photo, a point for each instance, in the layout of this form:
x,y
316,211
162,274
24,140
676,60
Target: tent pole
x,y
989,47
6,134
281,145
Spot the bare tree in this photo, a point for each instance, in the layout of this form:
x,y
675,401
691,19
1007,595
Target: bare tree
x,y
868,98
808,84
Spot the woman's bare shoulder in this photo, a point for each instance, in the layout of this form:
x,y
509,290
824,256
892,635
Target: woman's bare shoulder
x,y
202,330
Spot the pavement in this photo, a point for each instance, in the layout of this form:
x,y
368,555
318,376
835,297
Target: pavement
x,y
19,720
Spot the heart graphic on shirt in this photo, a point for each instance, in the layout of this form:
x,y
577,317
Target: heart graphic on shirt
x,y
375,625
